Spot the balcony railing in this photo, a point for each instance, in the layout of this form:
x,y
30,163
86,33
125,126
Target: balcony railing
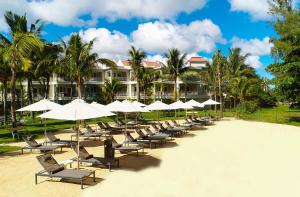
x,y
95,79
121,78
189,94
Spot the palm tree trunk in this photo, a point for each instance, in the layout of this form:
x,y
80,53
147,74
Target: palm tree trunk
x,y
215,93
220,94
21,94
29,90
144,95
71,93
29,93
185,92
5,101
78,86
175,88
13,96
47,87
138,90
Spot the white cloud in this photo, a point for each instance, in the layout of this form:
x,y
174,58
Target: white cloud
x,y
157,57
108,44
254,47
158,37
258,9
70,12
155,38
254,61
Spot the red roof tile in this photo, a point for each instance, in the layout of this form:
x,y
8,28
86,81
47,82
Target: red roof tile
x,y
197,59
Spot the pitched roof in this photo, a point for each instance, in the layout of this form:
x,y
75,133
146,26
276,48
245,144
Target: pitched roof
x,y
197,60
151,64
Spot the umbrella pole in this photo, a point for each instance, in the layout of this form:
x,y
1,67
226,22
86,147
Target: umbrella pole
x,y
45,129
77,127
126,128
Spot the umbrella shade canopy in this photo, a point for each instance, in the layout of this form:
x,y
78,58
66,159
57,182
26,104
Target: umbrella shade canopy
x,y
98,106
194,103
158,105
180,105
113,106
76,110
211,102
139,104
42,105
125,106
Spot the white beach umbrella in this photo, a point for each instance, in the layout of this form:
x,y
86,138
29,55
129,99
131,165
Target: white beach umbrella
x,y
42,105
76,110
158,105
139,104
194,103
211,102
113,106
98,106
180,105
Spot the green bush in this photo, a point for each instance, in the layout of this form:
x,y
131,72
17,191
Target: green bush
x,y
267,100
248,106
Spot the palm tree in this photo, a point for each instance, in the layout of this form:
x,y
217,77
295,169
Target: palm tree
x,y
175,67
186,78
237,74
219,63
4,79
209,77
16,52
136,57
79,60
110,89
20,24
47,62
149,76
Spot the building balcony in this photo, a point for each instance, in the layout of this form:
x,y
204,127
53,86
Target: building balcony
x,y
189,94
121,95
95,79
121,78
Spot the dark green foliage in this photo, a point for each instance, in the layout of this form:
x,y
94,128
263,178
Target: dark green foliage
x,y
286,49
248,106
266,99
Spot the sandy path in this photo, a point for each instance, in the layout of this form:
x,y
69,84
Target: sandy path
x,y
232,158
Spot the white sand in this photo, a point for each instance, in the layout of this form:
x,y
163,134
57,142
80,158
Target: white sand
x,y
232,158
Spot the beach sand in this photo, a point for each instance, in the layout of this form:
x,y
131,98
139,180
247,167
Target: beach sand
x,y
231,158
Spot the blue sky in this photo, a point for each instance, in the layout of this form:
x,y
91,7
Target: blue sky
x,y
197,27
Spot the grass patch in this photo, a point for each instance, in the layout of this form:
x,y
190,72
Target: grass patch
x,y
280,114
6,149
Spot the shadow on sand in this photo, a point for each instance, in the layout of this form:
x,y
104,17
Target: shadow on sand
x,y
133,163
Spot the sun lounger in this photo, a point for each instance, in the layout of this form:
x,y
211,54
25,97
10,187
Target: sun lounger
x,y
157,133
150,138
112,129
102,133
85,157
176,127
33,145
131,140
172,131
86,134
53,170
52,139
126,149
191,122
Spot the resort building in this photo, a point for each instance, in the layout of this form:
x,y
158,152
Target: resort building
x,y
63,90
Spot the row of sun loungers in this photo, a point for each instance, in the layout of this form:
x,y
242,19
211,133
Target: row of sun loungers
x,y
159,134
